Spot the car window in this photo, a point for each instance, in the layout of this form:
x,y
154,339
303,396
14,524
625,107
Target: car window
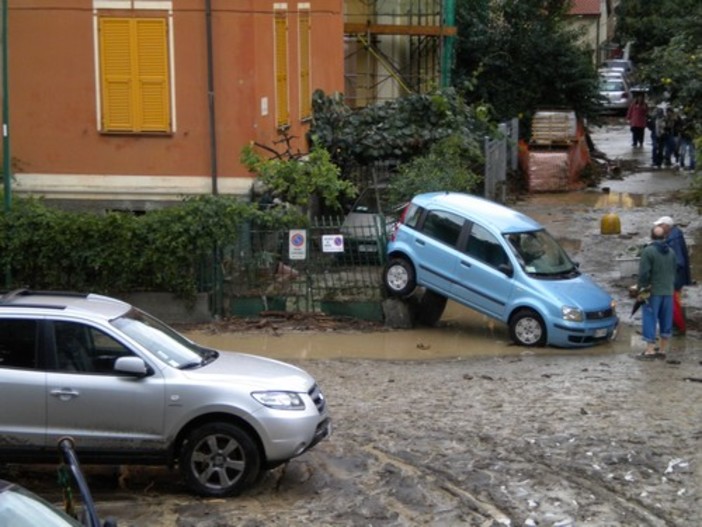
x,y
412,215
85,349
443,226
483,246
18,343
611,85
161,340
540,254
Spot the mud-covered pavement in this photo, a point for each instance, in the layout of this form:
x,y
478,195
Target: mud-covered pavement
x,y
454,426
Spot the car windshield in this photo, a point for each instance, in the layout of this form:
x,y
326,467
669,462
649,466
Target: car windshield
x,y
162,341
21,508
611,85
540,254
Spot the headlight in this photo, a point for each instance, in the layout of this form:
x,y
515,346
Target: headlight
x,y
280,400
573,314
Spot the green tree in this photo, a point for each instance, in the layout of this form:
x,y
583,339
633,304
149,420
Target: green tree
x,y
648,25
397,130
518,55
299,180
453,163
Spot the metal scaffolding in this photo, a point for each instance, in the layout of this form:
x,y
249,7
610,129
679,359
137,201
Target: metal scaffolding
x,y
396,47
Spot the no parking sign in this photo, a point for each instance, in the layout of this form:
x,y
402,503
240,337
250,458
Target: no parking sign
x,y
297,244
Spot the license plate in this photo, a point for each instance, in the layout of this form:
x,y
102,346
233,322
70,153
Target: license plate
x,y
599,333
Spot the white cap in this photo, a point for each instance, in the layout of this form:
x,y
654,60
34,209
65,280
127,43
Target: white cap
x,y
664,220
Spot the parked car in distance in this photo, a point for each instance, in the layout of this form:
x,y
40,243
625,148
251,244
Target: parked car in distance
x,y
615,94
625,65
501,263
368,222
131,390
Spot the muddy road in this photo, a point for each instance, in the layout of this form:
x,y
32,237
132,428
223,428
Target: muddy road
x,y
455,426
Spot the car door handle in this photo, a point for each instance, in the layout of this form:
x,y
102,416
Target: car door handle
x,y
65,394
420,242
466,263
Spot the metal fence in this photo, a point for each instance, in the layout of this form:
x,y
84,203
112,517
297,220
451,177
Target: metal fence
x,y
500,155
298,269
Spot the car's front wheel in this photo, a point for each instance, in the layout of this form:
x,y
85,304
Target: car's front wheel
x,y
399,277
219,459
527,328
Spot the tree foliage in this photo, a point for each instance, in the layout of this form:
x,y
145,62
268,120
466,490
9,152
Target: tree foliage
x,y
453,163
519,55
666,41
295,180
397,130
649,25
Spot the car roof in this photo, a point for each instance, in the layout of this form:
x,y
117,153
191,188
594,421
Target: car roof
x,y
500,217
87,305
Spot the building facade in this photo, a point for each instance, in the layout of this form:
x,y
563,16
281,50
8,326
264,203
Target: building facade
x,y
131,104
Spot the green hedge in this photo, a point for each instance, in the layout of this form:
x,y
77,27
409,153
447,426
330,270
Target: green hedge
x,y
42,247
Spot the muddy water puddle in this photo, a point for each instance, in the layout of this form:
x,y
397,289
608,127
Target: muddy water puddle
x,y
461,333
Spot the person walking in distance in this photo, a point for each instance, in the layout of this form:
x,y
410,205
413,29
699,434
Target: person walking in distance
x,y
657,274
675,239
637,115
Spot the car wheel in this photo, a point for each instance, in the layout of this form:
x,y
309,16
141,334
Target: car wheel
x,y
430,308
399,277
526,328
219,459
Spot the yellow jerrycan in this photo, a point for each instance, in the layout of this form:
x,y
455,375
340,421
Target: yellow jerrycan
x,y
610,224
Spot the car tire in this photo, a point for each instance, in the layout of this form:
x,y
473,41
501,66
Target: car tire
x,y
220,459
399,277
429,308
527,328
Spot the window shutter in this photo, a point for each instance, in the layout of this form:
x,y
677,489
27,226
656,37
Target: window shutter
x,y
281,69
134,75
305,87
152,75
115,62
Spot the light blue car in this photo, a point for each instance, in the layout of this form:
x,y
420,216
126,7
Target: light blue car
x,y
499,262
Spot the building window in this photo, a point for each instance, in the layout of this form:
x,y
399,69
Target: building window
x,y
304,30
282,108
134,75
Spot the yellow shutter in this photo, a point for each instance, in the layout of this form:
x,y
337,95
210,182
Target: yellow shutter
x,y
152,74
281,69
305,87
115,63
134,73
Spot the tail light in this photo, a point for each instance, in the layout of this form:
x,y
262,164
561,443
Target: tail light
x,y
399,222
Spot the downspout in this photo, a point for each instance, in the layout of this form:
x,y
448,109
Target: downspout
x,y
6,156
211,98
449,20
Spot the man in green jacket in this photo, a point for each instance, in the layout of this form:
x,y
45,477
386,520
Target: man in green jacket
x,y
657,269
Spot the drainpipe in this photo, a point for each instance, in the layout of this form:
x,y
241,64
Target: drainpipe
x,y
449,20
211,98
6,156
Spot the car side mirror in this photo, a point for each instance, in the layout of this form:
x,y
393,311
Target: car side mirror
x,y
134,366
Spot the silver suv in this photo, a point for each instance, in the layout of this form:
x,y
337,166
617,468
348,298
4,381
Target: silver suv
x,y
131,390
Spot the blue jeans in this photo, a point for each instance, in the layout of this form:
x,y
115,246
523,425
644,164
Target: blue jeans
x,y
687,151
658,311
